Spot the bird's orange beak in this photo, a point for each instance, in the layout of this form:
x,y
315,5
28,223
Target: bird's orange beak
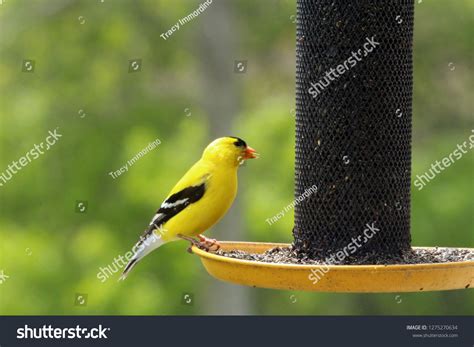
x,y
250,153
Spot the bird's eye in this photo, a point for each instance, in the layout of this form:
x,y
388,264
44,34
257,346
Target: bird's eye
x,y
240,143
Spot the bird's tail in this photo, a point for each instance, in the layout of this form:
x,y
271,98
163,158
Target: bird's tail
x,y
146,244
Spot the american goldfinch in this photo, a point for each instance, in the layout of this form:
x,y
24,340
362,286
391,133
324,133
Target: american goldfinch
x,y
198,201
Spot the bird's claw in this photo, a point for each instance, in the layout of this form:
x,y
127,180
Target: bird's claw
x,y
204,243
210,244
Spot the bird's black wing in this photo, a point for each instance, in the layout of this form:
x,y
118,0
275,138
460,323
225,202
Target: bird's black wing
x,y
179,201
174,205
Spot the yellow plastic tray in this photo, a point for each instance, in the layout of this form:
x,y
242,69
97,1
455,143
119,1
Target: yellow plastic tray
x,y
334,278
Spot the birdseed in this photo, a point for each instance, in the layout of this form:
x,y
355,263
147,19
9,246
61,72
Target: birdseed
x,y
288,255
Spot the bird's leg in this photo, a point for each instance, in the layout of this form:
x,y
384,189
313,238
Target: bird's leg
x,y
204,243
211,244
194,242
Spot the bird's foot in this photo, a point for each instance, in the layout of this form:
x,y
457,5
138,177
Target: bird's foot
x,y
204,243
210,244
193,242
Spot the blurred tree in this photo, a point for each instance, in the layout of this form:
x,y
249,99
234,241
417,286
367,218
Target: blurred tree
x,y
221,98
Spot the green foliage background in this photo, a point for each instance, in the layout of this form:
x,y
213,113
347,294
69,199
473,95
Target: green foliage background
x,y
51,252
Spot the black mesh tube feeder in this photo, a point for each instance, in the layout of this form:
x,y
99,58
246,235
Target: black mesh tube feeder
x,y
353,143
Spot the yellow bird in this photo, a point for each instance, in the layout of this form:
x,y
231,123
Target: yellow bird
x,y
198,201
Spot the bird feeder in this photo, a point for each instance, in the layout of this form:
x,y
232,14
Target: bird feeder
x,y
353,142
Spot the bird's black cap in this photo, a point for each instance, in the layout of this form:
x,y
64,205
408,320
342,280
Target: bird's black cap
x,y
239,142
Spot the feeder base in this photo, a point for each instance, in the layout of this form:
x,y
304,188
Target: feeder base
x,y
334,278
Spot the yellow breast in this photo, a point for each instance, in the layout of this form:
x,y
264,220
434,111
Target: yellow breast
x,y
221,189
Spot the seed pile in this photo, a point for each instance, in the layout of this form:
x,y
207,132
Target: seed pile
x,y
288,255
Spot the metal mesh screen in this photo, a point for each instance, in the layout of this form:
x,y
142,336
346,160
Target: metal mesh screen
x,y
353,131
